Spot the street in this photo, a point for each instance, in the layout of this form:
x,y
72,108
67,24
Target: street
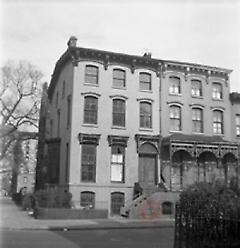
x,y
105,238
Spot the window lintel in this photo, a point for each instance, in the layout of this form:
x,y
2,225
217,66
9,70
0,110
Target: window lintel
x,y
94,94
171,103
117,140
89,138
222,109
149,100
118,97
194,105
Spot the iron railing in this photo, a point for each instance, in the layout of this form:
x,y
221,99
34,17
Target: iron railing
x,y
215,229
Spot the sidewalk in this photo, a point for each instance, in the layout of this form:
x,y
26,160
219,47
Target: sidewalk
x,y
13,217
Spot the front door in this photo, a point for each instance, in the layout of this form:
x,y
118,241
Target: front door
x,y
147,171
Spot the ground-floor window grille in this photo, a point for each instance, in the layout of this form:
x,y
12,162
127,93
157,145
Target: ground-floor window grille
x,y
88,199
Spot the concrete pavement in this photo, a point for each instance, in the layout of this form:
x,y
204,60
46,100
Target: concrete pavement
x,y
12,217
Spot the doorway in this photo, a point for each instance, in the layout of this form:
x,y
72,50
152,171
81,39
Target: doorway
x,y
147,166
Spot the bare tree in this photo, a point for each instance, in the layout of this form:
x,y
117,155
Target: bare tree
x,y
20,95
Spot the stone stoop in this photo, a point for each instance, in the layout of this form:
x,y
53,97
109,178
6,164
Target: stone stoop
x,y
157,205
125,211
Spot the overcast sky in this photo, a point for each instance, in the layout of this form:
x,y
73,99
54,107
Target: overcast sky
x,y
204,32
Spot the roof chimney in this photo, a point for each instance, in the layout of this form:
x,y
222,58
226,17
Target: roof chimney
x,y
72,42
147,55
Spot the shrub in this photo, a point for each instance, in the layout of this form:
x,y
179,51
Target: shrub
x,y
52,198
17,198
208,215
28,201
204,198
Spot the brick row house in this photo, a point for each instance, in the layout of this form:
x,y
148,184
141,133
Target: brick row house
x,y
119,124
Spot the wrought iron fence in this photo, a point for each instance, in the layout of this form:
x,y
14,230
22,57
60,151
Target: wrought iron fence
x,y
214,229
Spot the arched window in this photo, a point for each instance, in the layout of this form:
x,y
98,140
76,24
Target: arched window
x,y
217,91
117,201
91,74
119,78
145,81
217,122
90,109
59,122
174,85
196,87
87,199
145,115
119,108
69,98
175,118
197,120
56,99
63,89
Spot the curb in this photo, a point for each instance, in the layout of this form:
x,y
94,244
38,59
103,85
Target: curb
x,y
94,227
86,228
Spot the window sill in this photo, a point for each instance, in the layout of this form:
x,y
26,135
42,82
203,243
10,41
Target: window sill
x,y
146,91
117,182
218,134
82,181
118,127
198,97
173,131
94,85
217,100
145,129
119,88
90,125
196,133
175,94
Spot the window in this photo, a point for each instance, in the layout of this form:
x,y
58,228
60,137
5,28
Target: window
x,y
91,74
167,208
217,93
88,199
196,87
197,120
59,121
217,122
238,125
51,128
117,201
90,110
119,112
117,163
88,162
63,89
174,87
67,163
56,99
175,118
145,115
145,81
68,111
119,78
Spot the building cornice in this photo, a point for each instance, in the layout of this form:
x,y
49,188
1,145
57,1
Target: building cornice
x,y
75,54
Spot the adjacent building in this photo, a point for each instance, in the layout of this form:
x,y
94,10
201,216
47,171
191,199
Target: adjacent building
x,y
117,120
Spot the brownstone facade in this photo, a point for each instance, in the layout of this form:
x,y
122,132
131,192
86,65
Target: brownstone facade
x,y
115,120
